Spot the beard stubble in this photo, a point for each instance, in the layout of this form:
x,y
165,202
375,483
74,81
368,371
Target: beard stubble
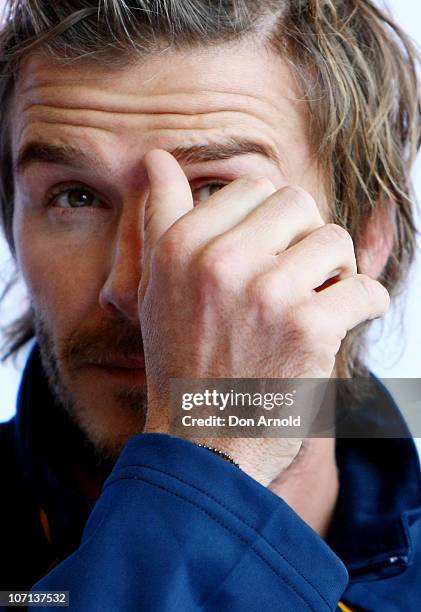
x,y
113,337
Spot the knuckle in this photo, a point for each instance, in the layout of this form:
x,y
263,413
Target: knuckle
x,y
302,203
215,264
374,292
162,254
264,183
385,296
383,292
272,295
267,301
264,285
337,234
366,285
300,198
256,182
170,248
260,294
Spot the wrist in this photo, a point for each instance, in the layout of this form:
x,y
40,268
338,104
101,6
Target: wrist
x,y
263,459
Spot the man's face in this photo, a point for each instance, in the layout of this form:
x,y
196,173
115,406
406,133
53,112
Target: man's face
x,y
79,136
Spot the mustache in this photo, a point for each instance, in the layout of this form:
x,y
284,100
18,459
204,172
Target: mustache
x,y
113,339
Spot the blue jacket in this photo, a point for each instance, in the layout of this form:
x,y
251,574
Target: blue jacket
x,y
178,528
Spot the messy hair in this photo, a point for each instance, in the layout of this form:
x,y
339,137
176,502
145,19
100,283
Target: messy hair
x,y
355,67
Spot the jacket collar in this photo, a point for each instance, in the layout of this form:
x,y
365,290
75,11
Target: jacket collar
x,y
46,440
380,490
379,478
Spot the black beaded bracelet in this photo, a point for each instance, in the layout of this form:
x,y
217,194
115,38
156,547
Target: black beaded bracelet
x,y
219,452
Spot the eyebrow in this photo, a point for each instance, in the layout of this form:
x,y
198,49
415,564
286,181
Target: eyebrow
x,y
224,150
36,151
74,156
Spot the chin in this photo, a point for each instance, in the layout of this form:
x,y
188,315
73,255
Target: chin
x,y
108,425
107,415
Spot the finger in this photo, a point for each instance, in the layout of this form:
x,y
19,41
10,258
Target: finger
x,y
169,199
357,299
226,208
286,217
283,219
325,253
170,195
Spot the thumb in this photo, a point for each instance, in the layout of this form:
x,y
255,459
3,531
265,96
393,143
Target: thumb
x,y
169,199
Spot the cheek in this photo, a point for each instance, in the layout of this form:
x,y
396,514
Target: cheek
x,y
62,271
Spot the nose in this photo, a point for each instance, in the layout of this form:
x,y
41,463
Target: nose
x,y
119,293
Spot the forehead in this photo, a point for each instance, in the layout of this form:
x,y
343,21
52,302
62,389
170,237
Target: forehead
x,y
242,78
246,69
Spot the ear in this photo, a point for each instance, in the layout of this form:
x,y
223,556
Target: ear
x,y
377,243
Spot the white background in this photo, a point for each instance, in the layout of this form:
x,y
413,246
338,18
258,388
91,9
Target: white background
x,y
393,353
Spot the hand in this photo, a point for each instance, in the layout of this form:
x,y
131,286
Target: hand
x,y
229,290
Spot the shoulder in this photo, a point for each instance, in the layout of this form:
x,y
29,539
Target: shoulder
x,y
7,446
10,477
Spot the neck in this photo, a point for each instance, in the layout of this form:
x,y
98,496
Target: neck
x,y
310,485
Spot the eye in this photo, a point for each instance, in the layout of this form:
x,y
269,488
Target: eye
x,y
206,191
76,197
